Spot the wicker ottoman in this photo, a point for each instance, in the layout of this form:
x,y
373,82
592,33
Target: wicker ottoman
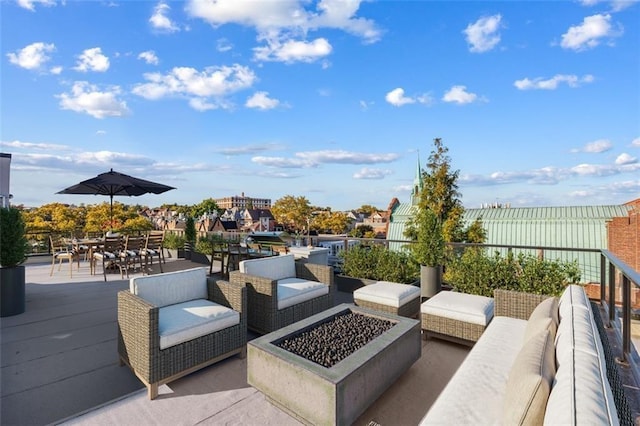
x,y
456,315
395,298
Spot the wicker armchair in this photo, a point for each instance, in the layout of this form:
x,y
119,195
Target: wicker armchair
x,y
139,340
263,313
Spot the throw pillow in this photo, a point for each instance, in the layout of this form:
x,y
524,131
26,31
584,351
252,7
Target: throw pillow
x,y
529,382
543,317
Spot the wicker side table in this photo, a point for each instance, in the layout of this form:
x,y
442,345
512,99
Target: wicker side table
x,y
394,298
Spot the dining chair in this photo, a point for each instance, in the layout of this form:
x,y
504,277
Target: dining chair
x,y
62,250
133,252
154,248
108,253
218,254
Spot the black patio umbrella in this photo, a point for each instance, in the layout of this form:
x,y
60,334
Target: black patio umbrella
x,y
113,183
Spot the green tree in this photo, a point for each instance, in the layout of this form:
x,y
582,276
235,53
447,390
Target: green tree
x,y
440,192
292,212
362,231
367,209
336,223
208,205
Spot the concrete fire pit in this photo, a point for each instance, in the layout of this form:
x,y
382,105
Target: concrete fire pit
x,y
337,395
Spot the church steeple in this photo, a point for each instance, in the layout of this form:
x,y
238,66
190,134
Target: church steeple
x,y
417,183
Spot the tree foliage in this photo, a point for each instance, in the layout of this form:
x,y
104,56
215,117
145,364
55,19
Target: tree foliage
x,y
367,209
13,242
294,213
208,205
335,223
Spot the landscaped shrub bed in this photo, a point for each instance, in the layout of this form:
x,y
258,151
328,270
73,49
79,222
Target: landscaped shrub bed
x,y
476,272
378,263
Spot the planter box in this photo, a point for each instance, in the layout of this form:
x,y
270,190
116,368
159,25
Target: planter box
x,y
340,394
200,258
349,284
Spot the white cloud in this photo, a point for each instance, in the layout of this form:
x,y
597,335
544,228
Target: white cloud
x,y
589,34
33,56
367,173
625,158
284,163
635,142
92,60
223,45
149,56
459,95
56,70
397,98
596,147
261,100
30,4
273,18
346,157
160,21
309,159
250,149
87,98
483,35
616,5
291,51
553,82
35,146
206,89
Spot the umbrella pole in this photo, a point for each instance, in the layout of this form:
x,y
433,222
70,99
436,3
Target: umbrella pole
x,y
111,213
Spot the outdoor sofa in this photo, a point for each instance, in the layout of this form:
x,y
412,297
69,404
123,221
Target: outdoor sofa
x,y
282,291
172,324
540,360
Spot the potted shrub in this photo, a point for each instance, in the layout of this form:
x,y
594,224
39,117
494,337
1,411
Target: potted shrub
x,y
190,237
13,253
428,250
174,244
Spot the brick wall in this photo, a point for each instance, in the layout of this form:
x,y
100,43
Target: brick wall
x,y
623,235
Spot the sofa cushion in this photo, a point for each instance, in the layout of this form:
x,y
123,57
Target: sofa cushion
x,y
543,317
189,320
387,293
475,393
274,267
463,307
530,381
581,392
171,287
292,291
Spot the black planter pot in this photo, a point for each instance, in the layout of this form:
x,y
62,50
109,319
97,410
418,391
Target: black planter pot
x,y
12,291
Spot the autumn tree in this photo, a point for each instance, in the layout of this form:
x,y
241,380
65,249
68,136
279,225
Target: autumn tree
x,y
99,217
336,223
367,209
294,213
54,217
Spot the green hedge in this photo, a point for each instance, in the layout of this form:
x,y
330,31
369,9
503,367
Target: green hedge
x,y
173,241
475,272
376,262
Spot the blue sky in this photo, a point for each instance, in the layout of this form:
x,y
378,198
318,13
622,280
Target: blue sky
x,y
538,102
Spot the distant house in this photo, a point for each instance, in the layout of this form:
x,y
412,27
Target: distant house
x,y
258,220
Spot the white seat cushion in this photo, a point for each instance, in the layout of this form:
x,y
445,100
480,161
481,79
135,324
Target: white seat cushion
x,y
387,293
292,291
171,287
274,267
475,393
463,307
189,320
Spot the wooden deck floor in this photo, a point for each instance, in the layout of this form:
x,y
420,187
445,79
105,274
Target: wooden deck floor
x,y
59,359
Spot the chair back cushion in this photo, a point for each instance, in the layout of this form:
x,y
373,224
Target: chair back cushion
x,y
274,267
171,287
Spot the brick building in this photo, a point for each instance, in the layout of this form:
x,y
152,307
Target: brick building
x,y
242,202
623,235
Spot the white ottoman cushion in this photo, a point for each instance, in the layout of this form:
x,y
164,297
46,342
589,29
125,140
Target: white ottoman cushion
x,y
292,291
387,293
469,308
